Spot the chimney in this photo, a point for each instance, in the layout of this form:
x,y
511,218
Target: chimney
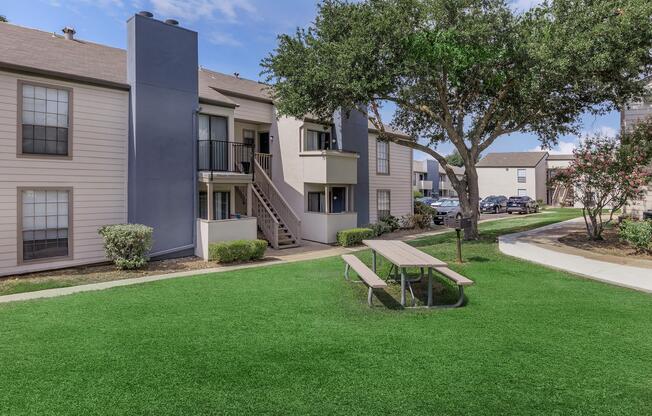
x,y
162,72
68,33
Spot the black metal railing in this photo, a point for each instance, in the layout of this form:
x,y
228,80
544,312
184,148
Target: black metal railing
x,y
225,156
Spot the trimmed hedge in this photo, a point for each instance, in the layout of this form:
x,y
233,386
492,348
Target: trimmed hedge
x,y
237,250
127,245
354,236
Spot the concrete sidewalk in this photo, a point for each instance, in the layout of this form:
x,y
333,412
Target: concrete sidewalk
x,y
528,245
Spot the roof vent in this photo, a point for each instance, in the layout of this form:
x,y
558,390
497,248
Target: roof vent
x,y
236,74
145,13
172,22
68,33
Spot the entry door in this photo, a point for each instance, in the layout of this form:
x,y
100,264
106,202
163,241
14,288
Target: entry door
x,y
221,205
263,142
338,199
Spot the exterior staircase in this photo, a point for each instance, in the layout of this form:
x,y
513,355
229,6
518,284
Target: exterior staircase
x,y
276,219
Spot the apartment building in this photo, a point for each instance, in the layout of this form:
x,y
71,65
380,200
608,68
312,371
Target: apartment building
x,y
632,114
514,174
431,179
93,135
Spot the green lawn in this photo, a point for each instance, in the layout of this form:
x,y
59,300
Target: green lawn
x,y
297,339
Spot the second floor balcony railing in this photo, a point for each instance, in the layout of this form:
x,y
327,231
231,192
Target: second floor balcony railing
x,y
225,156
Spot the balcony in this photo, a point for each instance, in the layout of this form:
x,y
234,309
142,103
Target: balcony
x,y
224,158
421,185
213,231
329,166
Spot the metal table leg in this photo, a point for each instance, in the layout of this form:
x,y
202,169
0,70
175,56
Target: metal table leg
x,y
429,286
402,286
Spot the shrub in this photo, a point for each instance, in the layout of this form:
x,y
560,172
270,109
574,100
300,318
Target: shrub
x,y
411,221
426,211
391,221
237,250
127,245
354,236
637,233
379,228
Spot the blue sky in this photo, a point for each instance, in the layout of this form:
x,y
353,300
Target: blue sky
x,y
234,35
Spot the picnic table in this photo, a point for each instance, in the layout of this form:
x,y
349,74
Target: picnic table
x,y
402,256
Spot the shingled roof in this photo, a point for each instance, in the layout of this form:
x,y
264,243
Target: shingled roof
x,y
52,55
511,160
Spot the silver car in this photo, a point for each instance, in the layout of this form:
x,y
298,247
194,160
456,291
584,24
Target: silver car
x,y
448,208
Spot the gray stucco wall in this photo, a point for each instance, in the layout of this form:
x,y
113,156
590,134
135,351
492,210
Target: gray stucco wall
x,y
162,72
432,169
353,135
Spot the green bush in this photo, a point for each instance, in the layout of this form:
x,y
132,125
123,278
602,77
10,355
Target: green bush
x,y
354,236
426,212
127,245
637,233
237,250
379,228
391,221
411,221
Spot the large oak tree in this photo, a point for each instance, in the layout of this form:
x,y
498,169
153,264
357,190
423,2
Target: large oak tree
x,y
465,71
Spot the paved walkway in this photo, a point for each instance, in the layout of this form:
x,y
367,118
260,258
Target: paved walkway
x,y
538,246
307,251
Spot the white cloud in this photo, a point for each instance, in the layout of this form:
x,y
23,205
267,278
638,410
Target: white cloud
x,y
225,39
567,147
192,10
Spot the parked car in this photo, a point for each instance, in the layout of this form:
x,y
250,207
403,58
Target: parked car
x,y
448,208
522,205
494,204
428,200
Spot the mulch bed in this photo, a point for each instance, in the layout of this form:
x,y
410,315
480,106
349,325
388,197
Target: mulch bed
x,y
611,245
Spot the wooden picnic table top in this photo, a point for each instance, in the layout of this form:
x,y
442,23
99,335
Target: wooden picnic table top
x,y
402,254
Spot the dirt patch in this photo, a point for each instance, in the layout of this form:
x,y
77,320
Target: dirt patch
x,y
610,246
96,273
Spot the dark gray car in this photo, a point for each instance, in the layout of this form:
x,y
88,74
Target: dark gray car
x,y
494,204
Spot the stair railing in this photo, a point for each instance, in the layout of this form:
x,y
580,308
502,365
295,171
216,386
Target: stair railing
x,y
265,218
278,203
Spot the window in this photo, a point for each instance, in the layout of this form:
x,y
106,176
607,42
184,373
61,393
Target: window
x,y
522,192
221,205
382,157
44,223
45,120
316,202
520,174
213,128
248,136
203,205
383,203
317,140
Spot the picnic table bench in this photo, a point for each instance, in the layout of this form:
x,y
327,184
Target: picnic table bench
x,y
402,256
366,275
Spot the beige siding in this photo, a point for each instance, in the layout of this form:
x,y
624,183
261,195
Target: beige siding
x,y
398,182
97,172
504,181
253,111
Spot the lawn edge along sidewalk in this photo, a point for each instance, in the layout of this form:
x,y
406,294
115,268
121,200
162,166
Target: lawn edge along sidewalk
x,y
517,245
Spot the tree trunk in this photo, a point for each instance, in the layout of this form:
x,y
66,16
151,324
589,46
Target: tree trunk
x,y
593,225
469,196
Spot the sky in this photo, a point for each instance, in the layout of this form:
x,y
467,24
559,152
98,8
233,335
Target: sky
x,y
234,35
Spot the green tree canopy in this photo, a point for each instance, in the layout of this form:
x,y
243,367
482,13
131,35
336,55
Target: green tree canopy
x,y
3,18
465,71
455,159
